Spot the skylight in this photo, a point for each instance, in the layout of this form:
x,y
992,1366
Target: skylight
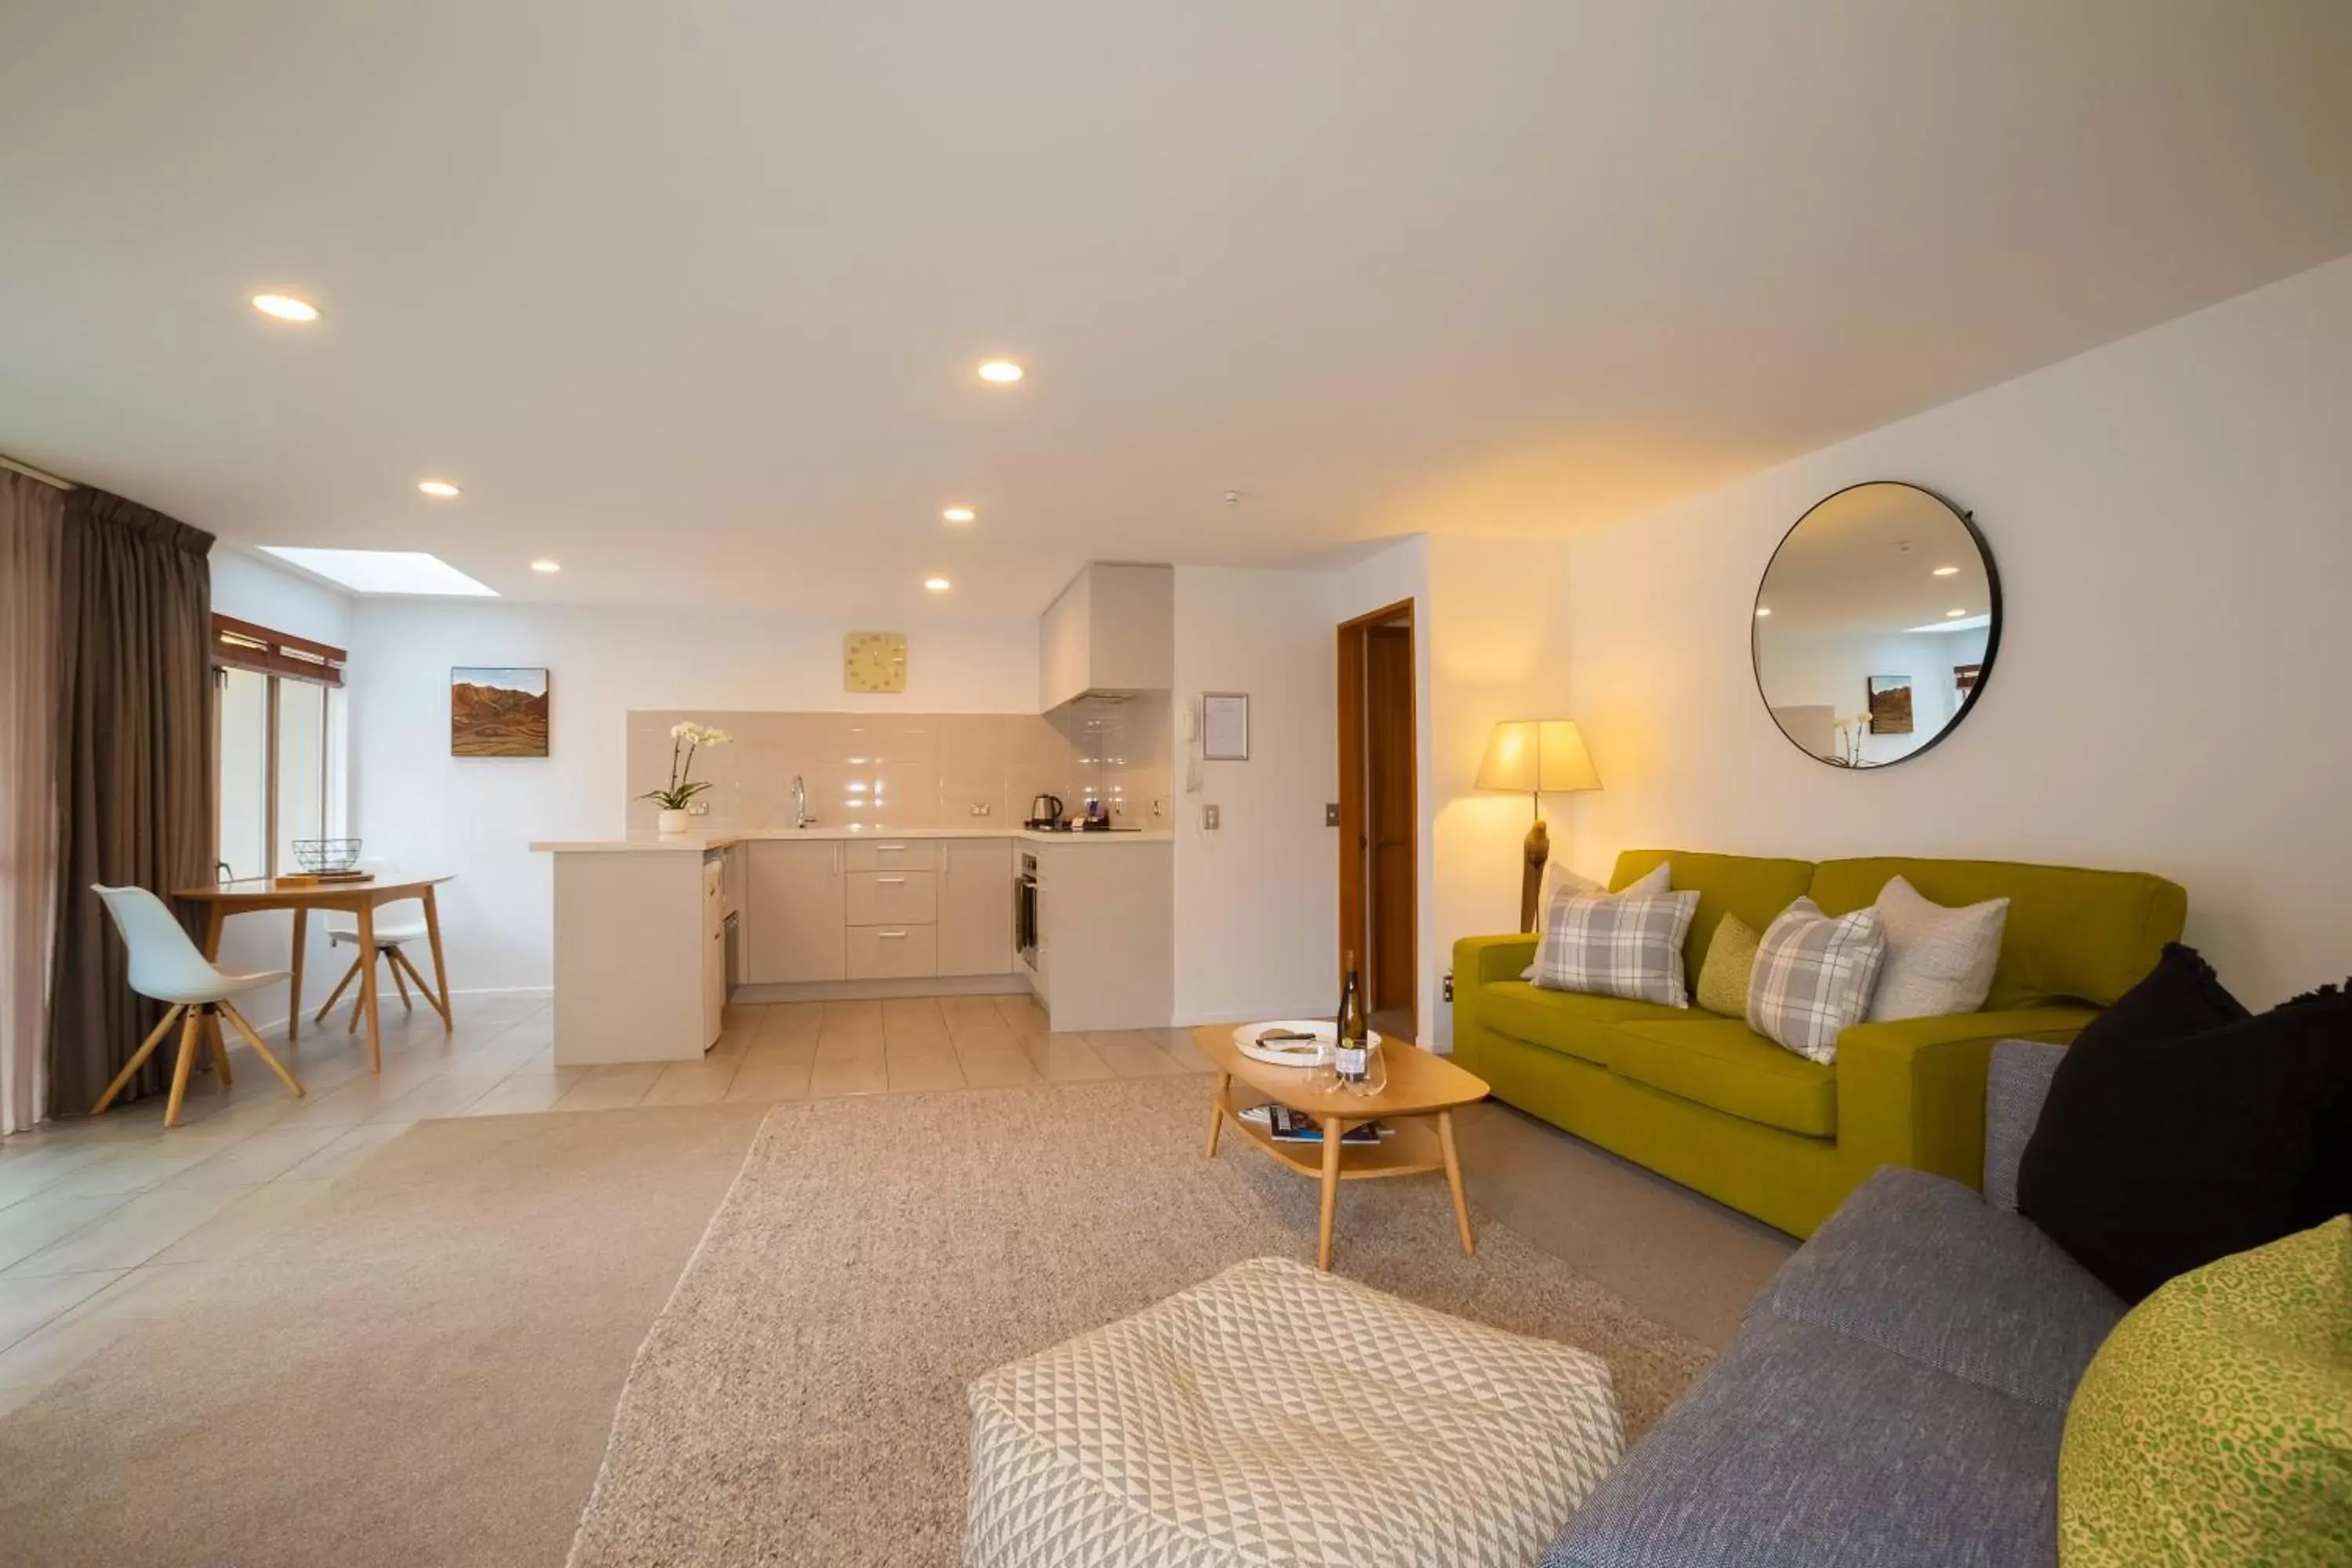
x,y
383,571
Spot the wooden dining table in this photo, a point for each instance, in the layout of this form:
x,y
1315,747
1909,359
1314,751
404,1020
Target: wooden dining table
x,y
360,899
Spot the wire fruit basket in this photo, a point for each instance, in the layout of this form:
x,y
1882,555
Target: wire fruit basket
x,y
328,856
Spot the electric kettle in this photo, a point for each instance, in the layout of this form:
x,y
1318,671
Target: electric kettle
x,y
1046,810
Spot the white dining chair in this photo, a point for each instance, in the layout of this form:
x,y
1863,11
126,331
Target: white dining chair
x,y
166,966
392,938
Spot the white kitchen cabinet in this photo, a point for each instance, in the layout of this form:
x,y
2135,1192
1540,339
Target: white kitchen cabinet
x,y
893,951
1106,949
975,900
795,922
1112,629
892,898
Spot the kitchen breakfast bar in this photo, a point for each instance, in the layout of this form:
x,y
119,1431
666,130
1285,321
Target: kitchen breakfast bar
x,y
656,934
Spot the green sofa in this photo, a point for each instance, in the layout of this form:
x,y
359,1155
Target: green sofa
x,y
1705,1100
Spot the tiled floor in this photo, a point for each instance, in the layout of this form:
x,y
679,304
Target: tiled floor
x,y
95,1215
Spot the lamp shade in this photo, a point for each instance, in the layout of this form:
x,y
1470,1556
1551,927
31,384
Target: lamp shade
x,y
1531,756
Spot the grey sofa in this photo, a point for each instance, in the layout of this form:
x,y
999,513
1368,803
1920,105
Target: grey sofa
x,y
1895,1395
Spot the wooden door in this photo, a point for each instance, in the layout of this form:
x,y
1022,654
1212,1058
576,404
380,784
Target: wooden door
x,y
794,927
975,888
1379,814
1388,826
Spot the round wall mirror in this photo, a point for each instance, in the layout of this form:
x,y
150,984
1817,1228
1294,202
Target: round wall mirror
x,y
1876,625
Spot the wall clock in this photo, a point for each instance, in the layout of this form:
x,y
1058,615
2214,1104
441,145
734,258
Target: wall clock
x,y
874,661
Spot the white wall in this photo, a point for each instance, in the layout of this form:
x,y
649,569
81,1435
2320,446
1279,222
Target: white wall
x,y
474,816
2172,520
249,590
1258,900
1497,651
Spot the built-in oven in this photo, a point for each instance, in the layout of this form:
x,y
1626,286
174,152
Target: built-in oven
x,y
1024,912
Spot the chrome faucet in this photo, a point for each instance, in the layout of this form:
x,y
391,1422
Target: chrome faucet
x,y
801,817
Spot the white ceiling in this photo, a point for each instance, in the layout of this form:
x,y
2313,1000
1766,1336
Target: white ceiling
x,y
688,295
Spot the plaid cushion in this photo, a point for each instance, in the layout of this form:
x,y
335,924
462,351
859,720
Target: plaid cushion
x,y
1622,946
1559,882
1813,976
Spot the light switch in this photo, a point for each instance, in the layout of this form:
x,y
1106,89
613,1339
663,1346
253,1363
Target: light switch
x,y
1331,814
1209,819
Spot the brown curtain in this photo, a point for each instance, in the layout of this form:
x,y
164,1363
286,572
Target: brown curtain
x,y
135,777
32,527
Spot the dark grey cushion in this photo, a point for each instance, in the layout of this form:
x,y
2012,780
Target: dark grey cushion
x,y
1922,1267
2016,1084
1805,1449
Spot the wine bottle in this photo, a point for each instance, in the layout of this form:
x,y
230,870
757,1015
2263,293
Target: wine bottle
x,y
1349,1048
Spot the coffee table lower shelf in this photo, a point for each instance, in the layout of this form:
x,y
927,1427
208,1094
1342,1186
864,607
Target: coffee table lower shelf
x,y
1412,1148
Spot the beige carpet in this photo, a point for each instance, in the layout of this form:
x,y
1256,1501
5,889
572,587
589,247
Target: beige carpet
x,y
418,1371
801,1398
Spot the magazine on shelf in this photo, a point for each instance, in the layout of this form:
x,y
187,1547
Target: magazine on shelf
x,y
1289,1126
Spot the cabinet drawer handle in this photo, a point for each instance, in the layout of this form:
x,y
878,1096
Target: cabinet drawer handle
x,y
889,849
891,935
889,881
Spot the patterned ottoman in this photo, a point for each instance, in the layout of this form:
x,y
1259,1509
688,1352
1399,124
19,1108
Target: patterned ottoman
x,y
1276,1415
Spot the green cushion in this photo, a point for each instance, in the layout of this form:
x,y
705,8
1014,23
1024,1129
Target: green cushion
x,y
2215,1424
1567,1021
2072,934
1724,1064
1730,964
1753,888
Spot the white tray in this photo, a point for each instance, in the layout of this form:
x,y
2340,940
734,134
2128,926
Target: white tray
x,y
1292,1053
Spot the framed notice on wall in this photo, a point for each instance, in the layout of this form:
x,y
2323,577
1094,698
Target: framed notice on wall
x,y
1224,726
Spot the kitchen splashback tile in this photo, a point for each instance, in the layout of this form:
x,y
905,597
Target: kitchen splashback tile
x,y
908,770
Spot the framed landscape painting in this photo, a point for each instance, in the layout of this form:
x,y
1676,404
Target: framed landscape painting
x,y
497,712
1890,704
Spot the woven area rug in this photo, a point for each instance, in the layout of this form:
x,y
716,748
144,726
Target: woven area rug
x,y
801,1397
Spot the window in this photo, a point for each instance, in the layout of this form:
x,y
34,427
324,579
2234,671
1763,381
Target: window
x,y
278,736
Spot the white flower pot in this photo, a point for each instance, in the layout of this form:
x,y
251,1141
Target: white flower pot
x,y
675,822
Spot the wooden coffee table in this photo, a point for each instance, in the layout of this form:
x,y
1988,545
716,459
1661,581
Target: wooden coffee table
x,y
1422,1089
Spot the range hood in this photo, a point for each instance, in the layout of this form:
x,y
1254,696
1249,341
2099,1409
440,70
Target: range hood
x,y
1108,636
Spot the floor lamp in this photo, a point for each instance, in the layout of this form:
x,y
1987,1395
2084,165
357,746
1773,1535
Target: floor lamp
x,y
1532,756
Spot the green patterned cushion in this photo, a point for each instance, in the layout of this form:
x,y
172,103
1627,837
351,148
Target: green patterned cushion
x,y
2215,1424
1730,959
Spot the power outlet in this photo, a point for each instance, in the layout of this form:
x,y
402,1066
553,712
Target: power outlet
x,y
1209,819
980,808
698,808
1449,985
1159,809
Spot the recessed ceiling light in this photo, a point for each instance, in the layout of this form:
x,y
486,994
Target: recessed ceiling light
x,y
286,306
1948,571
1950,614
385,570
1003,371
958,514
937,584
1762,611
439,489
547,565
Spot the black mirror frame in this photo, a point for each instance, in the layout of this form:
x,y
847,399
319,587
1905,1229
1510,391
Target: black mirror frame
x,y
1992,630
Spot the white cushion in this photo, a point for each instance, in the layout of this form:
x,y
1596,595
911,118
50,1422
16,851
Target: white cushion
x,y
1813,977
1274,1414
1574,885
1939,960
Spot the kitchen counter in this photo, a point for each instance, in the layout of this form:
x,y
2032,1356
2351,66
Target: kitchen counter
x,y
696,843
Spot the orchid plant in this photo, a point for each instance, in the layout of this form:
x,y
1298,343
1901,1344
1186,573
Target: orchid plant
x,y
685,739
1849,743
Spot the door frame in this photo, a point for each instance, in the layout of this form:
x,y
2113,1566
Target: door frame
x,y
1355,906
